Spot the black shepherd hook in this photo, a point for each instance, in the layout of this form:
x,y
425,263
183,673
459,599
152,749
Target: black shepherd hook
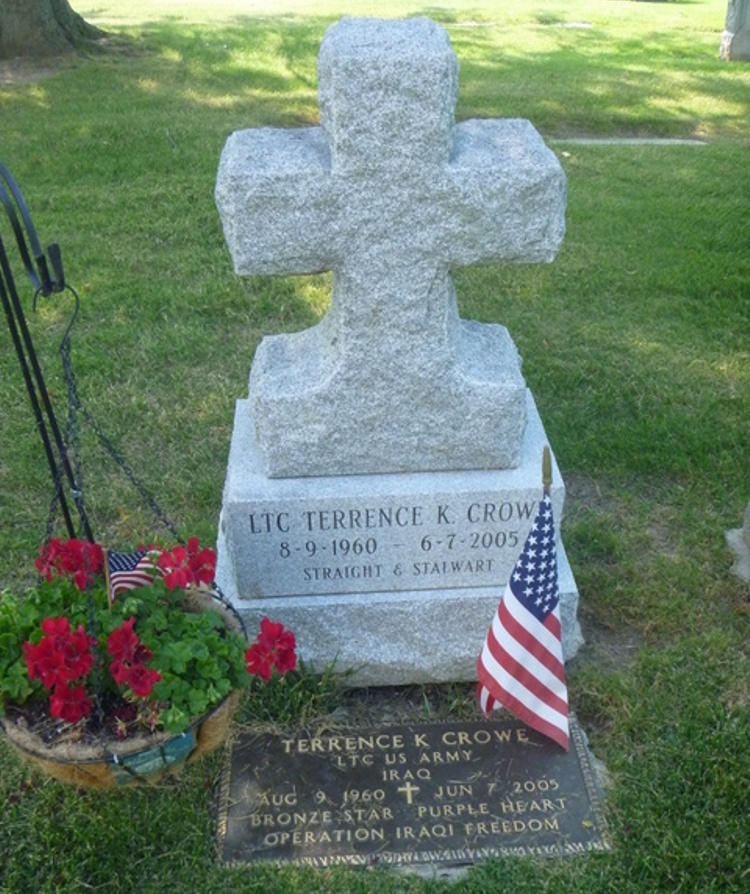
x,y
42,281
54,446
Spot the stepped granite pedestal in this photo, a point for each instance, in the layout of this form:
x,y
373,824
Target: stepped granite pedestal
x,y
394,575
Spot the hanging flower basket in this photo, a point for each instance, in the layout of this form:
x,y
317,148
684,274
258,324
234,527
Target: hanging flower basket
x,y
119,668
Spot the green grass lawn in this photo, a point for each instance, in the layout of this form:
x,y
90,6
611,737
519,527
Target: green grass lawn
x,y
636,344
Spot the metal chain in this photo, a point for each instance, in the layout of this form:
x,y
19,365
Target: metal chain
x,y
53,507
76,409
71,431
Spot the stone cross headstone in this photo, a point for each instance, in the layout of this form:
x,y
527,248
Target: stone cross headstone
x,y
735,39
390,194
386,466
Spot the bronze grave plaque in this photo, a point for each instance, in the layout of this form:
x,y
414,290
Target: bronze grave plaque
x,y
449,793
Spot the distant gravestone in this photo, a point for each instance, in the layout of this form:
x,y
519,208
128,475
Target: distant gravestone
x,y
385,468
739,542
735,40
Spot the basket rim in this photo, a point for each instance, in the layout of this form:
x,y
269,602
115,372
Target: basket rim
x,y
31,743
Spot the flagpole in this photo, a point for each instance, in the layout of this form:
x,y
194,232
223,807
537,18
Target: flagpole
x,y
546,469
106,578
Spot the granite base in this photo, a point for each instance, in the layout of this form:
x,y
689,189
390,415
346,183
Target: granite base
x,y
395,577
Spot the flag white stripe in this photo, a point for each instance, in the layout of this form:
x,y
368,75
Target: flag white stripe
x,y
550,683
517,651
500,698
531,703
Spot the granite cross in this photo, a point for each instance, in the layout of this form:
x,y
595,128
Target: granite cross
x,y
389,194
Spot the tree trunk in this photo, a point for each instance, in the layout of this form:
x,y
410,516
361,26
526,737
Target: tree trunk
x,y
41,28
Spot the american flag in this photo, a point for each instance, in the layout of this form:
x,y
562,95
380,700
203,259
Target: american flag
x,y
520,666
129,570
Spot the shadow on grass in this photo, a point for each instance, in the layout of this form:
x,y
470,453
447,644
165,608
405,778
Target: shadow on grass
x,y
118,156
566,80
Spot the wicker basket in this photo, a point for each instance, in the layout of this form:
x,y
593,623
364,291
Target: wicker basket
x,y
143,759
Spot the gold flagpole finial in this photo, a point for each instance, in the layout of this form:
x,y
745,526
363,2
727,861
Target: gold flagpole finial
x,y
546,468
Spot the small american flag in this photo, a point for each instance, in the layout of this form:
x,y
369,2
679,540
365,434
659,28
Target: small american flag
x,y
521,665
129,570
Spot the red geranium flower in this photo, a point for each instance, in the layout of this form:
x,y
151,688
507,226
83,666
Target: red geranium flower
x,y
119,671
55,628
202,562
274,647
61,656
77,655
46,560
129,657
69,704
122,642
184,566
259,662
43,662
142,679
138,677
173,566
78,560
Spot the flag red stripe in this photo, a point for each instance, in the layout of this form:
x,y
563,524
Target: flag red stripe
x,y
553,625
526,678
528,642
485,698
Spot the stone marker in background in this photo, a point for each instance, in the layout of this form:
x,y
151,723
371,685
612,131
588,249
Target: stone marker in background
x,y
739,542
385,469
735,40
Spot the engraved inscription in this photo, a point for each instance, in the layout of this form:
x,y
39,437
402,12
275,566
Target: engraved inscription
x,y
340,546
424,793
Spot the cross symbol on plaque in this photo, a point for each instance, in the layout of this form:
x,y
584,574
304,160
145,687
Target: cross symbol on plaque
x,y
390,194
409,790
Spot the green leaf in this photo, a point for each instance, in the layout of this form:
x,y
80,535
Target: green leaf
x,y
175,720
198,702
